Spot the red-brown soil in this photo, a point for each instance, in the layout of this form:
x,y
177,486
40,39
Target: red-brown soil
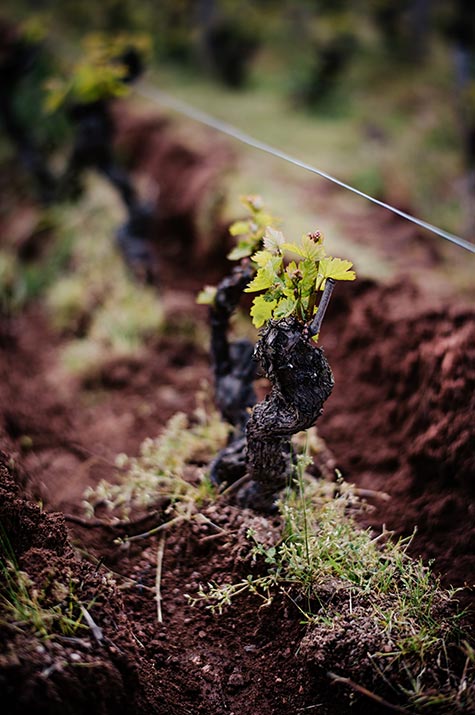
x,y
186,183
400,420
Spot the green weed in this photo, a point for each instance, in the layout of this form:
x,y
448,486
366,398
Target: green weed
x,y
170,469
45,611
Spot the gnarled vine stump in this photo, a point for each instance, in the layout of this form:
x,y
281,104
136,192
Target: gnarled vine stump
x,y
301,381
234,372
233,367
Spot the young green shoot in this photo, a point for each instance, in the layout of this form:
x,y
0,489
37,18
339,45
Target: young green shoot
x,y
292,288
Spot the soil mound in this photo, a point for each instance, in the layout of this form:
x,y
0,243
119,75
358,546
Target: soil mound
x,y
43,667
400,419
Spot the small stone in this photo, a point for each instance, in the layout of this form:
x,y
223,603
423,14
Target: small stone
x,y
236,680
75,657
209,673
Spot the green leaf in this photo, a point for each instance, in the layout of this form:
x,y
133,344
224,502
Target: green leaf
x,y
262,258
242,250
261,310
263,279
238,228
285,307
206,296
289,291
307,248
273,240
309,273
337,268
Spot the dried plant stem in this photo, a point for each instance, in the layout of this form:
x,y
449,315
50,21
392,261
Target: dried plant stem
x,y
156,529
158,577
95,629
235,485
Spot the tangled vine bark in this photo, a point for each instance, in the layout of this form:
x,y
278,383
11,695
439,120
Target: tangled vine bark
x,y
234,372
302,381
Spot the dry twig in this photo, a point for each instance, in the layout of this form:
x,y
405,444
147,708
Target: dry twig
x,y
95,629
158,577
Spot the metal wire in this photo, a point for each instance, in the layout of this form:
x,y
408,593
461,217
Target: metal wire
x,y
157,95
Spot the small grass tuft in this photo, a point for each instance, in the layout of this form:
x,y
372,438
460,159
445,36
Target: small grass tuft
x,y
170,469
44,611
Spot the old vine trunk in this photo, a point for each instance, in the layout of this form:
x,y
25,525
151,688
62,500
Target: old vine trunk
x,y
301,381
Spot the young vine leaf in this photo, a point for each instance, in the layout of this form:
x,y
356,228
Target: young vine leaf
x,y
286,288
100,74
253,233
292,288
250,232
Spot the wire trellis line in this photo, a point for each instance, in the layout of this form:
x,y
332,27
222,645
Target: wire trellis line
x,y
157,95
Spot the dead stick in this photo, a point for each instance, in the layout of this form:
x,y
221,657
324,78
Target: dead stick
x,y
235,485
316,323
158,577
364,691
156,529
108,525
95,629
